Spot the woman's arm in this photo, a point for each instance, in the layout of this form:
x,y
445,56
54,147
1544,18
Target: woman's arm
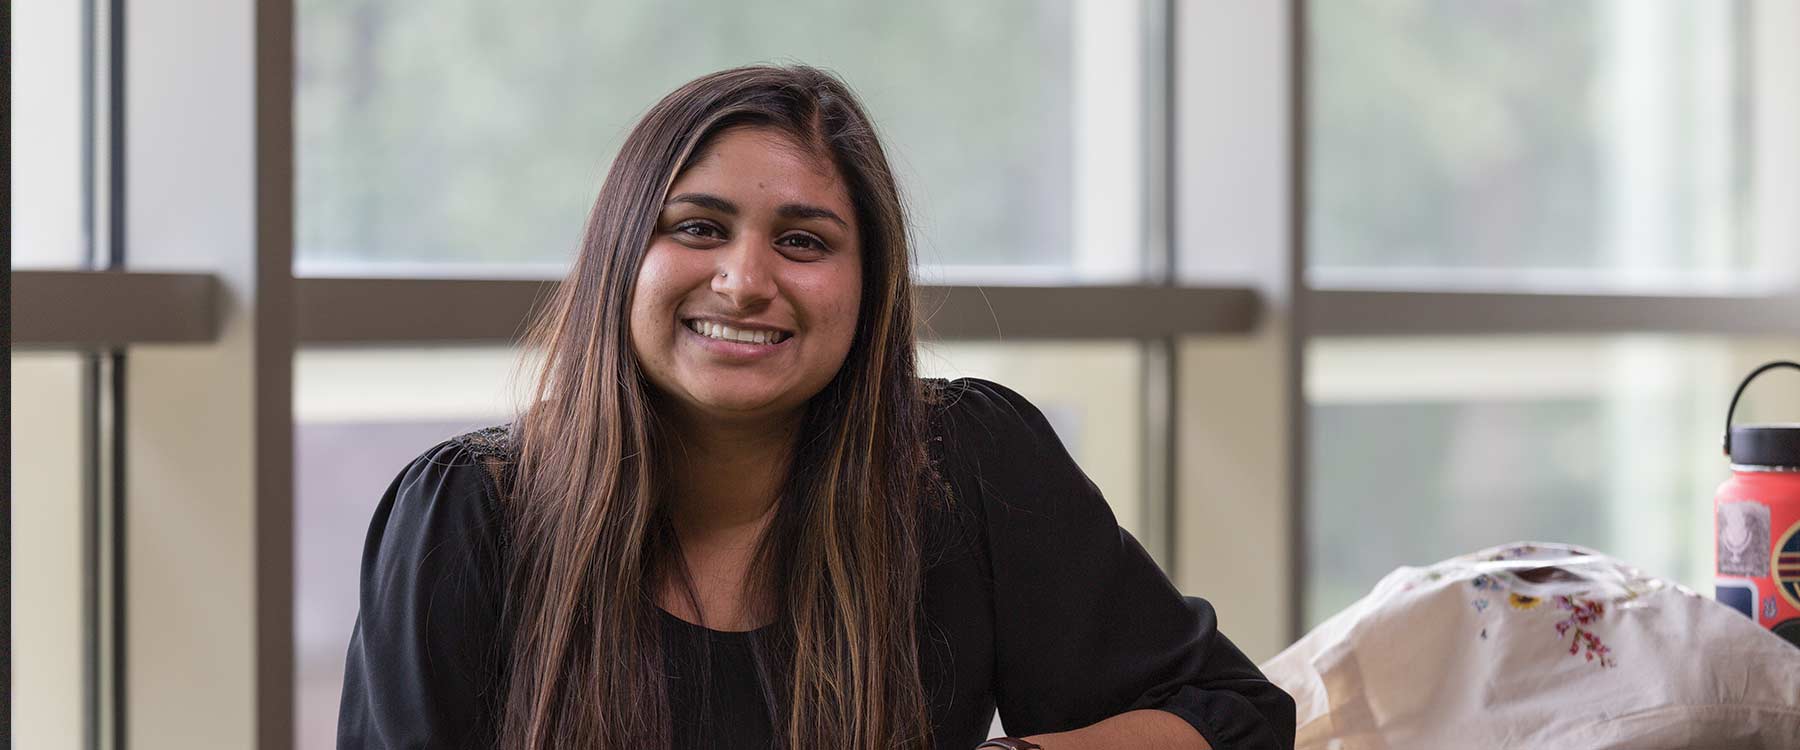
x,y
1143,728
1093,644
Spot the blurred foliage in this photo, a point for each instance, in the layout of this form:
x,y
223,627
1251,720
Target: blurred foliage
x,y
469,131
1488,134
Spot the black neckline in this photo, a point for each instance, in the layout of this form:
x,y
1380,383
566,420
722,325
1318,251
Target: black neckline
x,y
728,636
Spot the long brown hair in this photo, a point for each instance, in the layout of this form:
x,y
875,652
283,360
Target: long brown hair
x,y
589,530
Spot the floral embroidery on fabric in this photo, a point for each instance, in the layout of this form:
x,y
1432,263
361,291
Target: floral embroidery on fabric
x,y
1577,626
1583,613
1522,602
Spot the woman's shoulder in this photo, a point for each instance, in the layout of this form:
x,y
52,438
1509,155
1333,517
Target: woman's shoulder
x,y
1001,447
450,486
976,411
493,448
495,441
989,440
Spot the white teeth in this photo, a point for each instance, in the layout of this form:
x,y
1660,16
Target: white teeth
x,y
726,333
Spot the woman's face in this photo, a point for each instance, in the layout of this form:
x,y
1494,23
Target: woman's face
x,y
746,302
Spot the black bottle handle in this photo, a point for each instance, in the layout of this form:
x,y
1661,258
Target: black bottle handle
x,y
1740,394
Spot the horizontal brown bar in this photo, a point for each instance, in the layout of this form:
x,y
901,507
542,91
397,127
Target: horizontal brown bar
x,y
74,309
1086,312
387,310
62,309
359,310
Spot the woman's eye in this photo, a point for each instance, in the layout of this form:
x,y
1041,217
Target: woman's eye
x,y
803,241
699,229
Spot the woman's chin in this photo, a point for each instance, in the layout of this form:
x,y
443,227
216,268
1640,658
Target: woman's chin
x,y
738,403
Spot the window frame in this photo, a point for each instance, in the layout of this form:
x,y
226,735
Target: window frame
x,y
1226,312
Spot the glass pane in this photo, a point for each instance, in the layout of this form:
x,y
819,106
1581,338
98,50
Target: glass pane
x,y
47,140
1546,142
50,570
432,138
1425,449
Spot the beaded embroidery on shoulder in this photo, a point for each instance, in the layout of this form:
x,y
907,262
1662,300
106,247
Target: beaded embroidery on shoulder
x,y
493,448
488,442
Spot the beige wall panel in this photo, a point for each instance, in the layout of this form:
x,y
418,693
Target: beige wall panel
x,y
47,566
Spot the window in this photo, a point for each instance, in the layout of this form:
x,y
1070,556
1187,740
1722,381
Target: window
x,y
1607,442
1541,143
1491,238
436,137
1542,241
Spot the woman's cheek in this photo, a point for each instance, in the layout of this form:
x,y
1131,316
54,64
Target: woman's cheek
x,y
654,294
649,307
838,312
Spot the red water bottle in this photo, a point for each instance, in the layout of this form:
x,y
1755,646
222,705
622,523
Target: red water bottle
x,y
1756,521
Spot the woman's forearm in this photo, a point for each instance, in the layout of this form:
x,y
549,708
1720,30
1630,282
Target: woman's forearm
x,y
1146,728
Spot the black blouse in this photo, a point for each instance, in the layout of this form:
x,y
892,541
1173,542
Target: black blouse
x,y
1035,602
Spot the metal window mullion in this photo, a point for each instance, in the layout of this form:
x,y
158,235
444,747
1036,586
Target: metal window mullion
x,y
106,406
1161,356
115,133
92,495
89,31
1159,384
1299,331
273,355
92,466
115,538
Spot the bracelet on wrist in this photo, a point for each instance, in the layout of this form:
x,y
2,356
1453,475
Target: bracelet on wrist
x,y
1009,743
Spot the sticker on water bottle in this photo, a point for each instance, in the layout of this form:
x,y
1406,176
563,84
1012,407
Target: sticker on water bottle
x,y
1787,565
1743,539
1738,595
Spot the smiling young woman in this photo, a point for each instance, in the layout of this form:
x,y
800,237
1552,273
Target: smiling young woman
x,y
734,516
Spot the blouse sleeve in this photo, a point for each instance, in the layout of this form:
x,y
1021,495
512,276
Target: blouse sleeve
x,y
1087,626
421,669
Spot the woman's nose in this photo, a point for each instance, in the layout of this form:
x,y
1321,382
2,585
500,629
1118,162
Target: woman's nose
x,y
744,275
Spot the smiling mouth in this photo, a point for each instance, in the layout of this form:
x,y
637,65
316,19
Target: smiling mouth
x,y
724,332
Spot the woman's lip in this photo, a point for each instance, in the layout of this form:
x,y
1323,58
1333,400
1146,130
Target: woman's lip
x,y
735,350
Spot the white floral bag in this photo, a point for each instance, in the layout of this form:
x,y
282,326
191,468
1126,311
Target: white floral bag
x,y
1538,645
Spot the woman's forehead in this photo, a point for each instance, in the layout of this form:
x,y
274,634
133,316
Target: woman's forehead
x,y
735,143
763,160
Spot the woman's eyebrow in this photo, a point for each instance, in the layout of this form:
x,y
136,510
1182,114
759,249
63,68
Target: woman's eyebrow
x,y
803,211
707,200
